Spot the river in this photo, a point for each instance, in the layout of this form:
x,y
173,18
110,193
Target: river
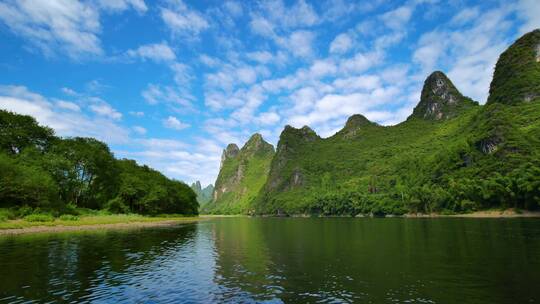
x,y
280,260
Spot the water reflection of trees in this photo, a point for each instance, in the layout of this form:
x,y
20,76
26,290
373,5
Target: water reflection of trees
x,y
77,266
376,260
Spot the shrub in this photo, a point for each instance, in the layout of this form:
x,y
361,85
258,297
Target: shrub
x,y
24,211
3,218
69,217
39,217
116,205
7,214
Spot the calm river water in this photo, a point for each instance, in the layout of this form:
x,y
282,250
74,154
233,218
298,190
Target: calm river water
x,y
275,260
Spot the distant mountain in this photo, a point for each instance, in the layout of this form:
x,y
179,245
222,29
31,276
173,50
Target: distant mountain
x,y
242,174
450,155
203,195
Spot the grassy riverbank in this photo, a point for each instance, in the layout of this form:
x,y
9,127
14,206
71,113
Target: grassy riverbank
x,y
29,225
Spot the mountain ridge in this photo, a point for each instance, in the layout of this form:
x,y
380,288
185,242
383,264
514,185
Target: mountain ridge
x,y
240,176
450,155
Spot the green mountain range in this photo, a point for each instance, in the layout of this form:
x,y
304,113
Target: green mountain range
x,y
204,195
242,175
451,155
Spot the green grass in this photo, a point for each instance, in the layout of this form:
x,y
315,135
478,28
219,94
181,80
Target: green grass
x,y
40,218
91,220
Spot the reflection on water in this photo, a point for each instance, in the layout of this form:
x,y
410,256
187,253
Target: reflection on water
x,y
281,260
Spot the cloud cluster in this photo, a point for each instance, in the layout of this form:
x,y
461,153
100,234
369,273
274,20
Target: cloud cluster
x,y
66,118
245,67
63,26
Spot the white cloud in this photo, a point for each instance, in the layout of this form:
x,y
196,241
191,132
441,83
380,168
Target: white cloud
x,y
263,57
260,25
300,43
69,91
65,25
188,162
66,123
356,83
268,118
469,62
136,113
155,94
300,14
158,52
172,122
398,17
234,8
68,105
102,108
341,44
121,5
246,75
209,61
529,11
140,130
466,15
361,62
321,68
182,20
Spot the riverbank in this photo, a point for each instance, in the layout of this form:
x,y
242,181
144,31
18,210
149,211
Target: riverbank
x,y
508,213
97,222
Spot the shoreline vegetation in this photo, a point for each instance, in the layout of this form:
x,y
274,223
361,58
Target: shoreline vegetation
x,y
135,221
93,222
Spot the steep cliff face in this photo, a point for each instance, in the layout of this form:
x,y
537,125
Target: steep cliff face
x,y
284,173
517,74
242,174
440,99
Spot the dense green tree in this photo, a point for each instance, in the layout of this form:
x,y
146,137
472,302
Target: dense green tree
x,y
20,131
92,173
26,185
38,169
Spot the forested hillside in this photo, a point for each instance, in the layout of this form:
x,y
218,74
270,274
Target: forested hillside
x,y
242,174
40,171
451,155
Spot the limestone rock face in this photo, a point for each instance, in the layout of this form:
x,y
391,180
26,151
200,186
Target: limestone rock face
x,y
517,74
440,99
291,141
230,152
242,173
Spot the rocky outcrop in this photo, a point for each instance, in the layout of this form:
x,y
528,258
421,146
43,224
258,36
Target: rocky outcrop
x,y
517,74
291,141
230,152
354,124
440,99
242,174
256,144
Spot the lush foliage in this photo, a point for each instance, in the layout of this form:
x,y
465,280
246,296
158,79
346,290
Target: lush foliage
x,y
417,166
41,171
517,72
478,157
241,178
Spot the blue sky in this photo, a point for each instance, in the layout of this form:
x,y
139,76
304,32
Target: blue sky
x,y
170,83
